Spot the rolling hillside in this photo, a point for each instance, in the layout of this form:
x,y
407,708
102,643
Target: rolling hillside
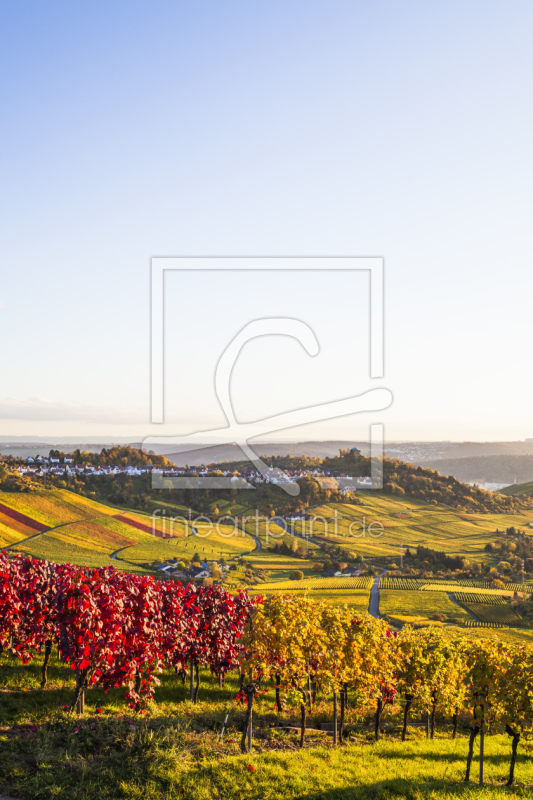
x,y
486,468
519,489
59,525
380,525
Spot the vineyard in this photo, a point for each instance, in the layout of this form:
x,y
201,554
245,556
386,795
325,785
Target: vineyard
x,y
416,606
498,613
406,522
61,526
433,585
354,598
472,623
502,615
319,584
465,598
117,632
401,584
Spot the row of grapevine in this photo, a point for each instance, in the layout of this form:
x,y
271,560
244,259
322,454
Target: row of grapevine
x,y
407,584
117,629
475,597
473,623
321,583
500,614
300,644
510,587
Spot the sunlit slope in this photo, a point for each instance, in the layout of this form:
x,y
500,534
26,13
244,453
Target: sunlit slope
x,y
62,526
211,542
417,607
518,489
54,507
381,525
358,599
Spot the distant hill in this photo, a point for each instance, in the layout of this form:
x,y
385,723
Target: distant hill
x,y
400,478
519,489
505,469
216,454
419,453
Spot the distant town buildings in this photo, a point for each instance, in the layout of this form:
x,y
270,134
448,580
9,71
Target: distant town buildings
x,y
330,479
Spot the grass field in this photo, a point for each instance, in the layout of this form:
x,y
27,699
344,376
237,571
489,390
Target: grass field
x,y
357,599
176,752
419,605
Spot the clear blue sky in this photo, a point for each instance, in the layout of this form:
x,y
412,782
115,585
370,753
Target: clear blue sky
x,y
400,129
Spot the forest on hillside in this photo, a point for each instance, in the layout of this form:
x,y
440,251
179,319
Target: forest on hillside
x,y
487,469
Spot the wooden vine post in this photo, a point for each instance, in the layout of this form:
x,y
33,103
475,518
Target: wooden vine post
x,y
247,731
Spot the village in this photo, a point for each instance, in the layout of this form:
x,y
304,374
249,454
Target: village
x,y
64,466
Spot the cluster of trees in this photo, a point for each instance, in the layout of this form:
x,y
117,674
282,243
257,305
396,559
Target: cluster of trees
x,y
401,478
10,482
404,479
332,556
515,546
290,546
272,500
118,456
437,560
117,629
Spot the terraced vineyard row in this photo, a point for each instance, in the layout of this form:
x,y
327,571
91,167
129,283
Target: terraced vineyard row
x,y
319,583
409,584
503,615
412,584
467,598
354,598
500,614
510,587
472,623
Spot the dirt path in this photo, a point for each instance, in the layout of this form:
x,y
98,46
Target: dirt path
x,y
374,596
115,556
456,603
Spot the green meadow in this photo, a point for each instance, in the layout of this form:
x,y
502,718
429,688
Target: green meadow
x,y
177,751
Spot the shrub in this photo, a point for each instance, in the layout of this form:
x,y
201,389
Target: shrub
x,y
297,575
